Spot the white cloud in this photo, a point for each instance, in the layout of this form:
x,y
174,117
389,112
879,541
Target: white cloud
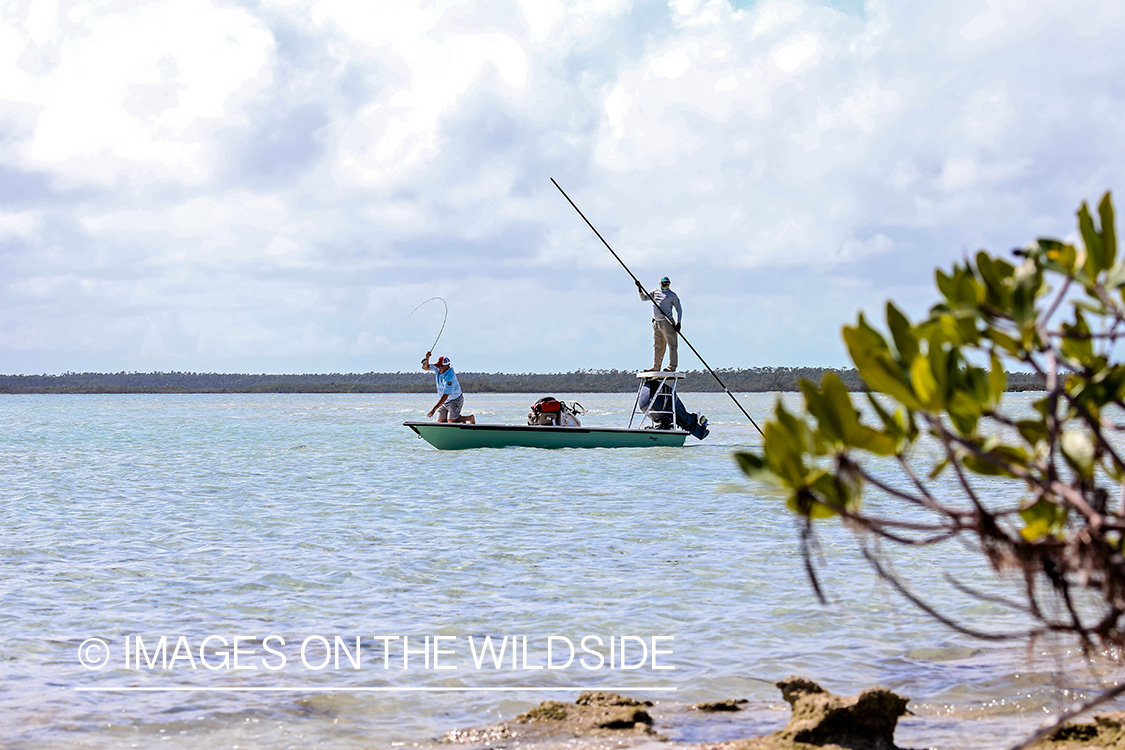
x,y
134,93
437,67
18,225
276,182
673,63
795,53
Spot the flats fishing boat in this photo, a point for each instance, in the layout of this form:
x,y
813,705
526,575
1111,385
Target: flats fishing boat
x,y
553,424
661,421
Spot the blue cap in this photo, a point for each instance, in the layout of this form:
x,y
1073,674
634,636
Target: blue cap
x,y
665,280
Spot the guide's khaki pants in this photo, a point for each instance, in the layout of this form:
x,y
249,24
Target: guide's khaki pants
x,y
664,336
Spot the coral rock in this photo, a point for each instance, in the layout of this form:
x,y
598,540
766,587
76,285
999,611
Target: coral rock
x,y
595,714
864,722
1106,733
731,704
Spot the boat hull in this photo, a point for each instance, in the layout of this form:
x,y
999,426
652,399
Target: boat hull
x,y
449,436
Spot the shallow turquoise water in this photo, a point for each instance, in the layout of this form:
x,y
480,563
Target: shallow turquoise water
x,y
317,516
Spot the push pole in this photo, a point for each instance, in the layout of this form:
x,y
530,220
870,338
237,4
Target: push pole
x,y
649,295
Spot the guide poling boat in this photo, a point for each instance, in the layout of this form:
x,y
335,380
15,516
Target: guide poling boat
x,y
448,436
655,405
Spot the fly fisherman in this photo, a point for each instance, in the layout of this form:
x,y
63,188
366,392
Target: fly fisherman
x,y
448,407
664,328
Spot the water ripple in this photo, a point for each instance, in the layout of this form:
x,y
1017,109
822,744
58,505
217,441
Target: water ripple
x,y
307,514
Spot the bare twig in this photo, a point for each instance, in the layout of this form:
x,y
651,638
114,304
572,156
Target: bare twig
x,y
922,605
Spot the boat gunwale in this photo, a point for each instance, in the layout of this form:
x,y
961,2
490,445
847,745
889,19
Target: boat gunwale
x,y
567,429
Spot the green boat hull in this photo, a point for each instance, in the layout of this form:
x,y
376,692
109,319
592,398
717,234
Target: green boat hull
x,y
447,436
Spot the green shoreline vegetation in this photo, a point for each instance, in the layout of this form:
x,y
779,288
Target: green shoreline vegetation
x,y
754,380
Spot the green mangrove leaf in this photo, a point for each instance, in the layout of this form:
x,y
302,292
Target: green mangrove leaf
x,y
828,429
1066,256
945,285
755,467
891,425
1115,279
878,369
997,381
1007,456
879,443
964,411
1031,430
904,339
1042,519
830,490
784,448
922,378
1078,449
805,503
1095,249
1076,343
839,402
1109,233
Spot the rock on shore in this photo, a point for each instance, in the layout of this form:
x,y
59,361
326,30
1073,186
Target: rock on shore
x,y
1107,732
594,714
820,720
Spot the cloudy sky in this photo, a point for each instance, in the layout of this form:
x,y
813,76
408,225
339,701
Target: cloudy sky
x,y
275,186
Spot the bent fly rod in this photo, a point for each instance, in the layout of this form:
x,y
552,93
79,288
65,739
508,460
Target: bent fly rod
x,y
649,295
443,320
440,331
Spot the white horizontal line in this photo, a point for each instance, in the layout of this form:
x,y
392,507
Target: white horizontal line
x,y
290,689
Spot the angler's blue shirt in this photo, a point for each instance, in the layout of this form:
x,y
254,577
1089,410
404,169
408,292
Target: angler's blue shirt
x,y
447,384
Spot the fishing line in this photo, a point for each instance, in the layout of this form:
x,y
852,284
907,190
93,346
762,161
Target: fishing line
x,y
446,304
649,295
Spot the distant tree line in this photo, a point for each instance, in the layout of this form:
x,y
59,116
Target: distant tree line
x,y
753,380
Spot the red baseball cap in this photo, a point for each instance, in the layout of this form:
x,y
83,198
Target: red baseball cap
x,y
441,361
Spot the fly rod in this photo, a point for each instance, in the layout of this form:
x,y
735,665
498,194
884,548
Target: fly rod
x,y
443,320
440,331
649,295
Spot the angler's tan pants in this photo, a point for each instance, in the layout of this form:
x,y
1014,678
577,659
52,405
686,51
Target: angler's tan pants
x,y
664,336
